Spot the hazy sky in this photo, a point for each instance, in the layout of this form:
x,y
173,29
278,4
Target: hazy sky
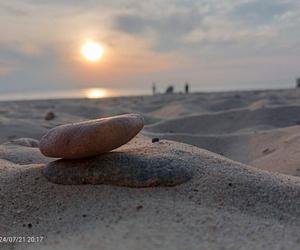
x,y
233,43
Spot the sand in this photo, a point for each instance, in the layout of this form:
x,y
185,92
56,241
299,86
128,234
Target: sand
x,y
245,193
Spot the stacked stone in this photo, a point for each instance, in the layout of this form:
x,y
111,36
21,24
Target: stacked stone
x,y
86,157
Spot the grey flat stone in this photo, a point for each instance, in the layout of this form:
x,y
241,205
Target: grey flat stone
x,y
136,167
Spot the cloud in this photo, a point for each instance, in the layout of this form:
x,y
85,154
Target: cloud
x,y
165,31
37,35
30,67
12,10
209,27
258,12
132,24
5,68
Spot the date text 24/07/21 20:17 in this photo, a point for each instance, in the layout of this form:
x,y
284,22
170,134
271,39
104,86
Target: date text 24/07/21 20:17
x,y
21,239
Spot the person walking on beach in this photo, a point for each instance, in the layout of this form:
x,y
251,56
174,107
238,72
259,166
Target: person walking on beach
x,y
153,88
186,87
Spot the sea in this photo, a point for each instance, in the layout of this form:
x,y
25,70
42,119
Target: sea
x,y
99,92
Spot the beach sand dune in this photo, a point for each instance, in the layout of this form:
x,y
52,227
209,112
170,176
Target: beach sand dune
x,y
226,205
245,192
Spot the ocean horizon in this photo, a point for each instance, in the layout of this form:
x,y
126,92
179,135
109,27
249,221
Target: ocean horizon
x,y
103,92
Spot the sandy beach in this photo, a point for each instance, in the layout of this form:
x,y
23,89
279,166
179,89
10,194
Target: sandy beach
x,y
245,192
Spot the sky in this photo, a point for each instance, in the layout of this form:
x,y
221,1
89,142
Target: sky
x,y
233,44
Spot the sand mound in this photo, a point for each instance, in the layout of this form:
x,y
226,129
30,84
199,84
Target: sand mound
x,y
226,205
231,121
22,151
274,150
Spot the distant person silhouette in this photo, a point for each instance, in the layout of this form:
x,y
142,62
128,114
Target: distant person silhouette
x,y
170,90
187,87
153,88
298,82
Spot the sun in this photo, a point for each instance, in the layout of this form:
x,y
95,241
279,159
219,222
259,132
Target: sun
x,y
92,51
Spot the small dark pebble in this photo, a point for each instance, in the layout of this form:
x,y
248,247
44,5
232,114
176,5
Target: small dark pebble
x,y
29,225
139,207
84,215
49,116
155,140
230,184
266,150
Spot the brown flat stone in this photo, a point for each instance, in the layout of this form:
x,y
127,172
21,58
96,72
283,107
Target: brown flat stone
x,y
90,138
